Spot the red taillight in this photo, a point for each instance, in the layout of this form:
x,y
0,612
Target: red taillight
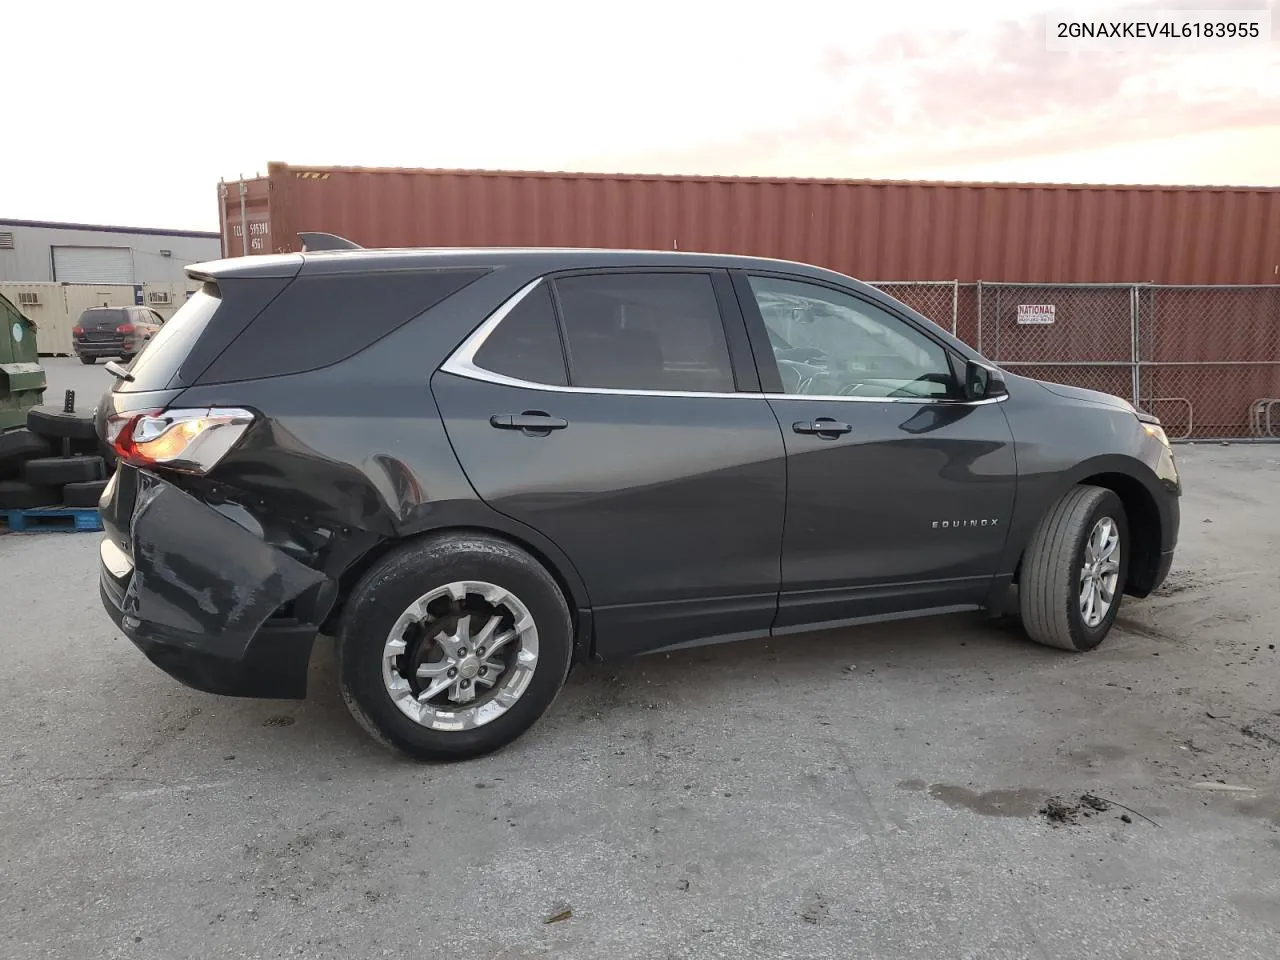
x,y
77,331
120,434
189,440
125,328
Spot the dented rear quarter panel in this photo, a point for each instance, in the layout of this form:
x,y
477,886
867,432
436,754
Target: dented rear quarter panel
x,y
360,447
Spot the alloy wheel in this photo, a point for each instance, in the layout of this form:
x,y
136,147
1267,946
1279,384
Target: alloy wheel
x,y
1100,573
460,656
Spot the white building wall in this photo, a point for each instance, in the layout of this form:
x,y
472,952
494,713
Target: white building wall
x,y
30,260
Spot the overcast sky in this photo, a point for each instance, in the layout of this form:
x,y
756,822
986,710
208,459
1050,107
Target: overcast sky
x,y
129,112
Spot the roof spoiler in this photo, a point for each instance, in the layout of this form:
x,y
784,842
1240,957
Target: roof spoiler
x,y
312,242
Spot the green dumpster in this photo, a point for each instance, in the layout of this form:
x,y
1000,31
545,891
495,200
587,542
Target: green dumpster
x,y
21,376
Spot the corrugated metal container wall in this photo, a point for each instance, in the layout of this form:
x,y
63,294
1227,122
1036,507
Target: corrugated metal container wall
x,y
876,230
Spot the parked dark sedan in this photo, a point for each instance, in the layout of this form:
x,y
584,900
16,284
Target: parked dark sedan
x,y
475,467
113,332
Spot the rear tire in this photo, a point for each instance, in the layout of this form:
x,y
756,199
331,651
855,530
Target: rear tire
x,y
1059,565
88,361
394,634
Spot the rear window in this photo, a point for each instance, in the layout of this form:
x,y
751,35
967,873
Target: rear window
x,y
319,321
97,318
159,360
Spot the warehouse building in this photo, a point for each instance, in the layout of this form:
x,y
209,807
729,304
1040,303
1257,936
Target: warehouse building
x,y
52,272
33,251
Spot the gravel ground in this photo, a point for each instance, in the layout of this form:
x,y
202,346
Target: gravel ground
x,y
873,793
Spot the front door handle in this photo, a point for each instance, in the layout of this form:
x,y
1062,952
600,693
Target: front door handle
x,y
824,427
533,422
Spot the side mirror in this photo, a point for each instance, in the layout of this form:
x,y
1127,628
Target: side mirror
x,y
982,382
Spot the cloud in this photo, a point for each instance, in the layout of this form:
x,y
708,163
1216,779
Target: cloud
x,y
943,97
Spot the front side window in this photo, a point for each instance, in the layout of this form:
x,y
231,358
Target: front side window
x,y
829,343
645,331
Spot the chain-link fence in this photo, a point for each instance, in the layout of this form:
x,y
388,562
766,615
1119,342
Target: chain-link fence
x,y
1205,359
1209,359
1077,335
936,299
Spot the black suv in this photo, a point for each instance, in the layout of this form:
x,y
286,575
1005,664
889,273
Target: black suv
x,y
113,332
475,467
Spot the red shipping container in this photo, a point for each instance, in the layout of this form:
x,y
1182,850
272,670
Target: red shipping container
x,y
874,230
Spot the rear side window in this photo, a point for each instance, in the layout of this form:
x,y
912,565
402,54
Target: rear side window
x,y
645,331
526,344
155,366
322,320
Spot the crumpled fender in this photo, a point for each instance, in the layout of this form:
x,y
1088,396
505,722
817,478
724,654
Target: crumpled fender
x,y
203,580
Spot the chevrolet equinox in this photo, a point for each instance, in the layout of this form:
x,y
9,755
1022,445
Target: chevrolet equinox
x,y
474,467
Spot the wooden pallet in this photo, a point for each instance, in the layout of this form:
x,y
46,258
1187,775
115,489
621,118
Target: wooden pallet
x,y
67,519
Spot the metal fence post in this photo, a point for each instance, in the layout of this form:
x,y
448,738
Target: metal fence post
x,y
1135,349
955,305
999,307
979,345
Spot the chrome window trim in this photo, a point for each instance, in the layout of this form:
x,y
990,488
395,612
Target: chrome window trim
x,y
462,363
830,396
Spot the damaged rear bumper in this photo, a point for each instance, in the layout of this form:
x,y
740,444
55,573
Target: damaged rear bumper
x,y
203,597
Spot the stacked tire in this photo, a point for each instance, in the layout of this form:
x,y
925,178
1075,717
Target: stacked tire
x,y
56,461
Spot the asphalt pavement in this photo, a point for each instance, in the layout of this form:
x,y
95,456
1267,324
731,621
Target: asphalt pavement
x,y
68,373
869,793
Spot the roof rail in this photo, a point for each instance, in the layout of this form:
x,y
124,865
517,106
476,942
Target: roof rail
x,y
311,242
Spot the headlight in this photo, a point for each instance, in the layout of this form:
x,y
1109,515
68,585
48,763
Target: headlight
x,y
1157,431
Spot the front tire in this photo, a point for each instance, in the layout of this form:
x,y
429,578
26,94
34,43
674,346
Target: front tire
x,y
453,646
1074,571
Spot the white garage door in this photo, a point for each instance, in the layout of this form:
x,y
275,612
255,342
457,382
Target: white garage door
x,y
93,265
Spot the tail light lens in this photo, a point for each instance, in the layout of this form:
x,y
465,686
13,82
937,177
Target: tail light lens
x,y
77,331
192,441
125,328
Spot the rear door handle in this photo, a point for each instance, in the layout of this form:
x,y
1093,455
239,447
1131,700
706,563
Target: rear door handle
x,y
531,421
824,427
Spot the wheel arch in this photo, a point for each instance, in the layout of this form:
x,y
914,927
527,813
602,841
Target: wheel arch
x,y
476,519
1145,528
1139,490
